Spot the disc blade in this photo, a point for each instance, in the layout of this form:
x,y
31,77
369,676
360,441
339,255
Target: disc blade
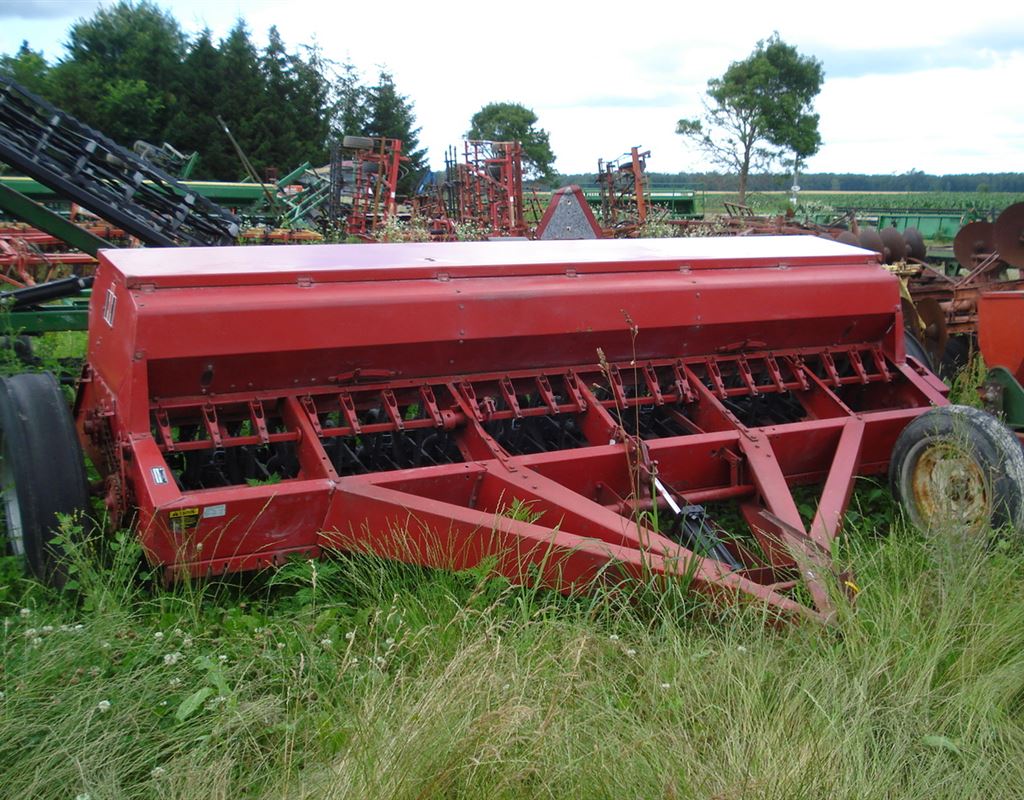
x,y
870,240
1009,235
936,332
895,247
973,239
915,244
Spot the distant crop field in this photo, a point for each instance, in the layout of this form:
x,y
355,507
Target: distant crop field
x,y
769,202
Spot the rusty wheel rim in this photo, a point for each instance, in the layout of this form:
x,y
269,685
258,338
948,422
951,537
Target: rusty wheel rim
x,y
950,489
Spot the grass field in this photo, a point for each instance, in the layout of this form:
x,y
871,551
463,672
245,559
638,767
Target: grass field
x,y
358,678
813,202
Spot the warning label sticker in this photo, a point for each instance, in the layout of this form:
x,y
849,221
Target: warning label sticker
x,y
183,519
109,307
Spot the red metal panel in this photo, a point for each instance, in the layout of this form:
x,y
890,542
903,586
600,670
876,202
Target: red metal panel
x,y
1000,320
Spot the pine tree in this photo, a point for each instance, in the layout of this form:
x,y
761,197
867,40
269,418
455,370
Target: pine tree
x,y
349,113
293,119
195,127
241,96
390,115
276,142
310,104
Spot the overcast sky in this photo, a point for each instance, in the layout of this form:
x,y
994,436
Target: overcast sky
x,y
934,86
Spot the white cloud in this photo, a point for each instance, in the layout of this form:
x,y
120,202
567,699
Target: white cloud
x,y
909,87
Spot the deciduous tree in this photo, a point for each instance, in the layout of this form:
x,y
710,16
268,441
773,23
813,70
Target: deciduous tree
x,y
27,67
123,71
760,110
506,122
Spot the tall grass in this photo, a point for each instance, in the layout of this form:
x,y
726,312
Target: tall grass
x,y
356,677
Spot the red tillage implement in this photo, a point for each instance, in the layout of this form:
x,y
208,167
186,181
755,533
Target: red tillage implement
x,y
541,403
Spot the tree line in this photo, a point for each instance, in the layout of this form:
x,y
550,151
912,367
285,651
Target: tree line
x,y
913,181
131,72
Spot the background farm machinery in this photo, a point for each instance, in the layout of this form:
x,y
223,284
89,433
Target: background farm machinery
x,y
370,181
482,194
624,191
945,298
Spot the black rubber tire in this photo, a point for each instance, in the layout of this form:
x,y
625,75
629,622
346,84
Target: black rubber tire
x,y
956,467
42,472
915,349
954,357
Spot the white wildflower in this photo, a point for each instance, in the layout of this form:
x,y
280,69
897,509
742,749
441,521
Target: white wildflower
x,y
103,705
350,636
222,659
157,772
741,649
37,641
31,633
79,627
170,659
325,642
174,683
186,642
159,636
178,632
105,645
25,612
3,695
47,629
614,637
666,686
83,796
631,652
280,645
390,643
